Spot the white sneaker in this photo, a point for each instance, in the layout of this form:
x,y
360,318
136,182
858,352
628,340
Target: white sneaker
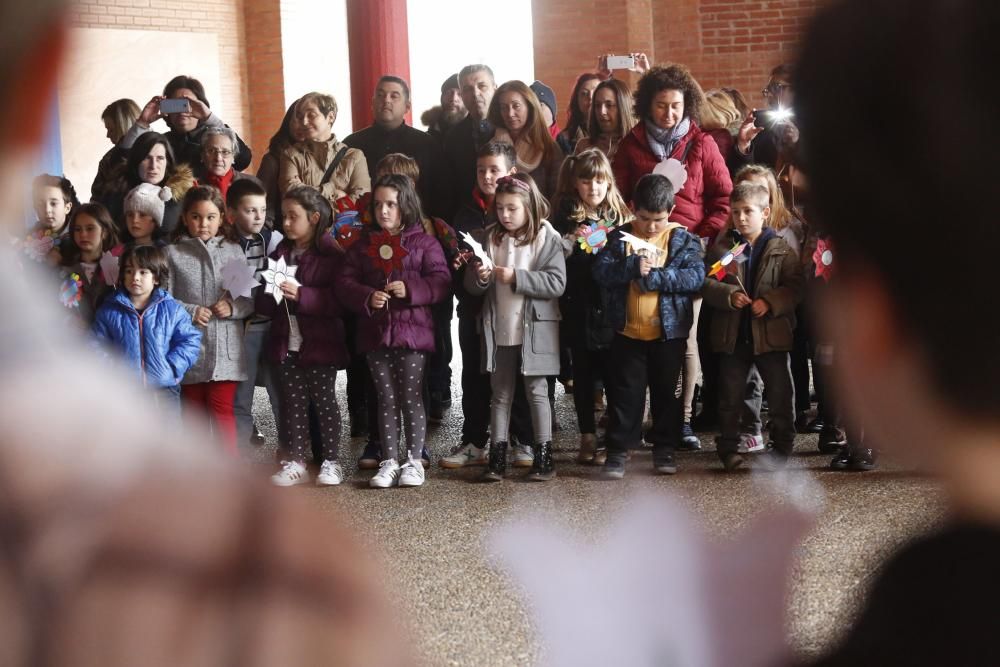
x,y
750,443
387,475
330,474
465,455
412,473
523,457
291,473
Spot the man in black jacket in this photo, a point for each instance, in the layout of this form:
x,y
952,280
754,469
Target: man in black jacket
x,y
465,139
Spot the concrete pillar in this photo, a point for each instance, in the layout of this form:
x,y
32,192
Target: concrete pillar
x,y
378,36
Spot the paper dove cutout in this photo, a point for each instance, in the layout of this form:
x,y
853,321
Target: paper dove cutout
x,y
675,172
276,238
680,597
639,244
477,249
275,275
238,278
109,268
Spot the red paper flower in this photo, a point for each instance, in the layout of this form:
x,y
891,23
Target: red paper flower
x,y
823,259
387,252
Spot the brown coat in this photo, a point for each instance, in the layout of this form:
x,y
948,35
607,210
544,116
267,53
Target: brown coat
x,y
305,163
779,282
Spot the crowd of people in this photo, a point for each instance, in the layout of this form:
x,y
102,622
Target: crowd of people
x,y
653,255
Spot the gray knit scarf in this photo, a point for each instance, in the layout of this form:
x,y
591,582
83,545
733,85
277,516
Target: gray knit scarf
x,y
663,142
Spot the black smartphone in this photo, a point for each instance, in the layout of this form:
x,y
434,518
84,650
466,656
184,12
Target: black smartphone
x,y
762,118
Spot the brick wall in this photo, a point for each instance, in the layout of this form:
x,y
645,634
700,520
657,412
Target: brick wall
x,y
223,18
724,42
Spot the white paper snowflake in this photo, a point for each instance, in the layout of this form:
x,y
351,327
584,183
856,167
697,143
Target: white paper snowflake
x,y
238,278
275,275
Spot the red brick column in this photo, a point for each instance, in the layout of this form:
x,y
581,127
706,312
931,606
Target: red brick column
x,y
378,37
265,74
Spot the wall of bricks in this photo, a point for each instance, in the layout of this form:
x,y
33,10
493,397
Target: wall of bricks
x,y
223,18
733,43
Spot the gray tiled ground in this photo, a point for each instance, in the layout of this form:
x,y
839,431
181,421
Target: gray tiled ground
x,y
467,614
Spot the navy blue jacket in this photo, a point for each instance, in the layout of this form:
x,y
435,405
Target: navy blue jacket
x,y
162,343
677,282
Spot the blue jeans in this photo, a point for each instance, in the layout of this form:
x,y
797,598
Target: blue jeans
x,y
258,371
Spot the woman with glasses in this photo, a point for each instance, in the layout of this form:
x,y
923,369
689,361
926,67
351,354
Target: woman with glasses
x,y
765,141
219,149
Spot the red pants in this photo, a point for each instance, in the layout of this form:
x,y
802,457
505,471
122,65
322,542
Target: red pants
x,y
214,400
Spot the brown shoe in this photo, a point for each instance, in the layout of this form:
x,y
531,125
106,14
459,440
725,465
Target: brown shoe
x,y
588,447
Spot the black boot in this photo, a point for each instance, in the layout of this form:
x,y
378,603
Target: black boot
x,y
542,468
497,467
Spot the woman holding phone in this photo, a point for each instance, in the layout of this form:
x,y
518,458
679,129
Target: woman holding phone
x,y
185,108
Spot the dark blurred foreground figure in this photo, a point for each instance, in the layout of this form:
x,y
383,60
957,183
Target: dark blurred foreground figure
x,y
135,545
912,305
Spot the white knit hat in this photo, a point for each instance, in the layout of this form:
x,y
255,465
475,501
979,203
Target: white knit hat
x,y
149,199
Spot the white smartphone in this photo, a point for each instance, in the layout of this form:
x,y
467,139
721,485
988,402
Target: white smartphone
x,y
621,62
179,105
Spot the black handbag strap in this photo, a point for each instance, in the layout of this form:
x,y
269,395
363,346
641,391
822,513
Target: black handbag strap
x,y
333,165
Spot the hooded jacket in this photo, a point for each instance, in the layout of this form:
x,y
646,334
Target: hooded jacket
x,y
407,322
678,281
161,343
703,201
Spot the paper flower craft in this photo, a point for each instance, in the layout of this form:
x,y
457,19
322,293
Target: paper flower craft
x,y
275,275
238,278
37,245
387,252
595,238
109,268
735,254
675,171
823,259
71,291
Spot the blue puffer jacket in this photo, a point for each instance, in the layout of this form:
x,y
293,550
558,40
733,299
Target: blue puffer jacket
x,y
161,344
677,282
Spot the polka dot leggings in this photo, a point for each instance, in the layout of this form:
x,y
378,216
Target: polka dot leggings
x,y
398,374
300,386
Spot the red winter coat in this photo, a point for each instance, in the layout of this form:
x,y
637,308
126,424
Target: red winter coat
x,y
405,322
703,202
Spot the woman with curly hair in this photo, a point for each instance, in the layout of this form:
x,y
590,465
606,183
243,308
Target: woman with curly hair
x,y
668,105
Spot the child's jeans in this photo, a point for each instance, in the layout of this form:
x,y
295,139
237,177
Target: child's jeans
x,y
536,387
258,368
776,372
637,364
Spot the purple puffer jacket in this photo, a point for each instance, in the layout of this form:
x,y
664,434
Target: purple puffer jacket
x,y
405,322
318,311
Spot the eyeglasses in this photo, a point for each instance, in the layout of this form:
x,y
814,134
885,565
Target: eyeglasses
x,y
218,152
774,89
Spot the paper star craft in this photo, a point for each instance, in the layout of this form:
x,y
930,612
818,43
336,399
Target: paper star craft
x,y
238,278
387,252
276,274
823,259
109,268
276,238
477,250
595,238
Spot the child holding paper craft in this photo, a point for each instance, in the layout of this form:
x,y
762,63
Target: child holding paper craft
x,y
520,317
53,198
589,208
89,243
391,277
752,325
246,211
203,245
152,330
307,342
653,268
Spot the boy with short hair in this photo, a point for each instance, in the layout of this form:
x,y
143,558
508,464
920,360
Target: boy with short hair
x,y
246,211
652,268
754,297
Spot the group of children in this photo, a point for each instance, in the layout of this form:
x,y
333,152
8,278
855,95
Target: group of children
x,y
619,284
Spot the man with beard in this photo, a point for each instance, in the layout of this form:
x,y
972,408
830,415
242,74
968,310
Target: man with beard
x,y
477,85
440,119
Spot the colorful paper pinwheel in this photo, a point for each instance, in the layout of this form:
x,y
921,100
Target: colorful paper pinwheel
x,y
387,252
718,270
